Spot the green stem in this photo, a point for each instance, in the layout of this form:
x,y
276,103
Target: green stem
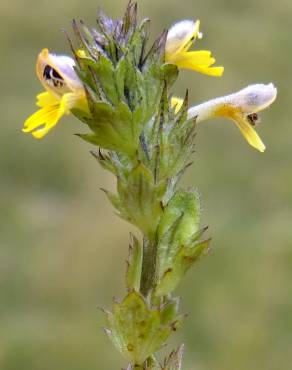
x,y
148,275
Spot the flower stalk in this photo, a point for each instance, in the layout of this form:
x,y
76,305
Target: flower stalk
x,y
121,89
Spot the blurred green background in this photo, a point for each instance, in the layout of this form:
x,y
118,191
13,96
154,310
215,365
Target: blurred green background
x,y
62,248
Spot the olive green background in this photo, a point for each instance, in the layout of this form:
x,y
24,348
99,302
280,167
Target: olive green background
x,y
62,249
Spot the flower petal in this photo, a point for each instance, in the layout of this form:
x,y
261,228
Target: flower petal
x,y
47,116
210,71
42,121
200,61
249,132
46,98
200,57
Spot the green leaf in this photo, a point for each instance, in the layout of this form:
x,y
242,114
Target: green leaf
x,y
105,73
105,161
141,198
185,258
183,213
115,201
129,23
169,138
153,83
170,72
136,330
114,128
178,235
139,41
157,51
120,78
169,310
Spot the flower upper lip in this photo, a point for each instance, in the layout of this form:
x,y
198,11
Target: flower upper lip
x,y
254,98
180,34
63,66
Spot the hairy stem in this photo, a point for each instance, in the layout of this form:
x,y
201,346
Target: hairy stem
x,y
148,275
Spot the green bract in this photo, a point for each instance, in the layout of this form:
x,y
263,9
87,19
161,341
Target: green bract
x,y
137,330
123,80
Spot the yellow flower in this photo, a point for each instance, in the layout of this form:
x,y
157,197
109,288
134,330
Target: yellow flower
x,y
180,38
64,92
241,107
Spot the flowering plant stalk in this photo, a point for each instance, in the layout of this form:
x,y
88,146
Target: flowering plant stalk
x,y
120,88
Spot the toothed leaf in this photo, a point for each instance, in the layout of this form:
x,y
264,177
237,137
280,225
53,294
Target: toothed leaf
x,y
136,330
